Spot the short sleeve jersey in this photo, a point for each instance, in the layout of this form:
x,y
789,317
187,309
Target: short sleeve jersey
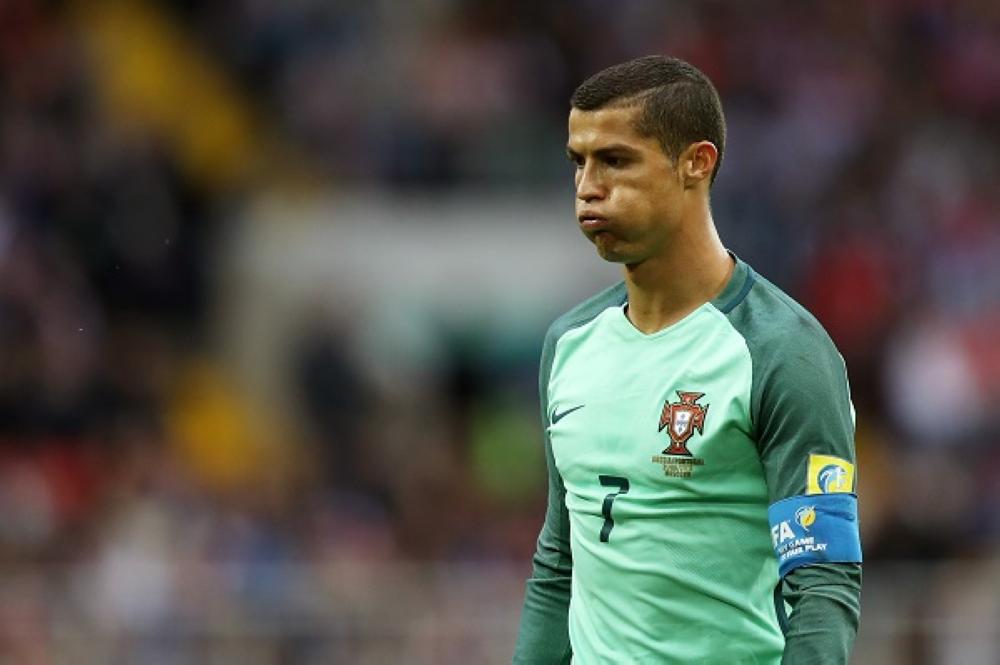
x,y
666,451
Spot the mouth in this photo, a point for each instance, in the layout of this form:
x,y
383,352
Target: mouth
x,y
592,222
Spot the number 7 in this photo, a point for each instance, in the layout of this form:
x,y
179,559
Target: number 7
x,y
622,485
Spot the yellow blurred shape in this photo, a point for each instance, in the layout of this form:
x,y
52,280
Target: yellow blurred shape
x,y
149,72
224,441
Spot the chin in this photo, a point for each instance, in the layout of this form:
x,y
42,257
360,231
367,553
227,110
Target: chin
x,y
607,250
612,256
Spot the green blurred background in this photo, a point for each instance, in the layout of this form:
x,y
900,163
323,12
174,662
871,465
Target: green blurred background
x,y
274,276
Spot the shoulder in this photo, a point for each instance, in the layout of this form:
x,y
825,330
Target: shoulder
x,y
795,364
777,327
578,316
585,312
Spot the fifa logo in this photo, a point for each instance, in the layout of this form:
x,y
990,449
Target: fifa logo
x,y
782,532
831,478
805,516
829,475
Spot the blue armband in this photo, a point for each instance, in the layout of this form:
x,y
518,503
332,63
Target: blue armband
x,y
815,528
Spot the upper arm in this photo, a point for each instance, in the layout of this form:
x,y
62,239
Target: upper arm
x,y
804,424
552,555
802,413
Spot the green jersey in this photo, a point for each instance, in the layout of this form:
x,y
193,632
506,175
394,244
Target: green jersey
x,y
665,452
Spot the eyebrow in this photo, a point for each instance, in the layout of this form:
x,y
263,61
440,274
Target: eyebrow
x,y
614,148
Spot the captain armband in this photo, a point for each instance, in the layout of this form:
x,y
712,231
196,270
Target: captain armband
x,y
815,528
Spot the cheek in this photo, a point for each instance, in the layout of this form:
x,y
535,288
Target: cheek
x,y
637,203
663,199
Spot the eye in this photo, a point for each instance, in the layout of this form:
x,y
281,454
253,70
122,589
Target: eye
x,y
614,161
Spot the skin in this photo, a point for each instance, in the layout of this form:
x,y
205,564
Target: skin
x,y
648,212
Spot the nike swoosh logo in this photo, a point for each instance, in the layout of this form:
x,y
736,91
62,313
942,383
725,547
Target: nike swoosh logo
x,y
556,417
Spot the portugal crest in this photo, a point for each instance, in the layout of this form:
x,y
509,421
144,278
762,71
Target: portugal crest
x,y
682,419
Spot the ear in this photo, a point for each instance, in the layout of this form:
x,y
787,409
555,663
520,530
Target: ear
x,y
697,162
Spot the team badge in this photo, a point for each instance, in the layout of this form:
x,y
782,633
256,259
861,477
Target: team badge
x,y
827,474
681,420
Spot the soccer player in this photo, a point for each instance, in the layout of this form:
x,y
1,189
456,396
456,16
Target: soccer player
x,y
699,432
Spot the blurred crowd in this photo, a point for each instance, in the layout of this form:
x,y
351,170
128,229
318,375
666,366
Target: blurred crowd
x,y
862,175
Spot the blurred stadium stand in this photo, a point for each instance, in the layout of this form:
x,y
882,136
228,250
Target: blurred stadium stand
x,y
274,277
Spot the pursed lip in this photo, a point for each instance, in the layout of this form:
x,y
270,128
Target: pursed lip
x,y
591,220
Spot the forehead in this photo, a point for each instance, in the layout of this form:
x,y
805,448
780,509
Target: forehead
x,y
590,130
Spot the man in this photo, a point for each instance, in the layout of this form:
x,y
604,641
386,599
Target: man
x,y
699,429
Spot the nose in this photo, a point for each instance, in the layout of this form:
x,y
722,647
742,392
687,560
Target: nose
x,y
589,186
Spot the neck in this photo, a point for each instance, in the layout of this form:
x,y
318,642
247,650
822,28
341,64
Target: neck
x,y
693,269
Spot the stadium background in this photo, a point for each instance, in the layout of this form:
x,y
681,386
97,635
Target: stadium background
x,y
274,277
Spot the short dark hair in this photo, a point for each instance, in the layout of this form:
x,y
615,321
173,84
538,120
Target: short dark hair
x,y
679,104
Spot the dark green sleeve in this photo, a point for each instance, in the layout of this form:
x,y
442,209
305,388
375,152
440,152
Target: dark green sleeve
x,y
544,633
800,405
825,600
544,636
804,407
